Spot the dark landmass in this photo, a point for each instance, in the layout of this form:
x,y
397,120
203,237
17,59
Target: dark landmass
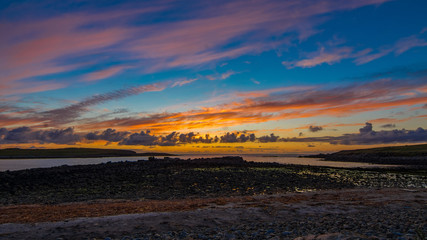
x,y
173,178
400,155
16,153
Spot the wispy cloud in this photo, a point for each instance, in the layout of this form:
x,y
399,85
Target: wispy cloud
x,y
407,43
73,112
182,82
251,107
334,54
202,35
320,57
263,107
221,76
102,74
23,88
40,47
371,57
401,46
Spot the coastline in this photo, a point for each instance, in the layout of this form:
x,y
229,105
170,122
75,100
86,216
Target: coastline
x,y
213,198
17,153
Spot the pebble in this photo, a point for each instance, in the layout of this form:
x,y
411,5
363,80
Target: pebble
x,y
382,225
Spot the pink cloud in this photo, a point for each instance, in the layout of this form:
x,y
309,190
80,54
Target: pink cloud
x,y
32,48
22,88
201,38
222,76
102,74
55,45
399,47
407,43
339,53
321,57
182,82
371,57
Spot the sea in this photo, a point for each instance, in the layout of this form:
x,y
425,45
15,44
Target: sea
x,y
22,164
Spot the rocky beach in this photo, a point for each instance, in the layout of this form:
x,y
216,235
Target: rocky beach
x,y
214,198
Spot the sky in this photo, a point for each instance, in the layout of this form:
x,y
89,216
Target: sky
x,y
270,77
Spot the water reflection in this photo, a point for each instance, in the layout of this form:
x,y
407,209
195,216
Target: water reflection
x,y
19,164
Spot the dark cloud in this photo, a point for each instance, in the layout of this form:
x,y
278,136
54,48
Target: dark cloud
x,y
187,138
393,136
389,125
58,136
142,138
315,128
237,137
110,135
170,139
229,138
27,135
19,135
367,136
366,129
268,138
174,138
3,132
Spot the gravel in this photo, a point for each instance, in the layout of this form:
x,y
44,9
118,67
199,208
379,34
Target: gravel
x,y
342,214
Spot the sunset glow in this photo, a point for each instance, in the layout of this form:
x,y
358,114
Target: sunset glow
x,y
248,77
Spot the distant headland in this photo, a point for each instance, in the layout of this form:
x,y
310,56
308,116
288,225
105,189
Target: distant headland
x,y
398,155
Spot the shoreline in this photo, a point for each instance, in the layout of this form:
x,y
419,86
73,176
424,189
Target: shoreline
x,y
213,198
363,213
173,178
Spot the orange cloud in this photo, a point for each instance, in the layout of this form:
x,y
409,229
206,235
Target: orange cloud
x,y
378,95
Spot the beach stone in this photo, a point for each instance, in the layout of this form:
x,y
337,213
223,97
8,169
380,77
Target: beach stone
x,y
230,236
182,234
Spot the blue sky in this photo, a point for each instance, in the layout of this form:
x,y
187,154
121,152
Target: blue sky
x,y
163,74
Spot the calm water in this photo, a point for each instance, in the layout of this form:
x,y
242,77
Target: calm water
x,y
20,164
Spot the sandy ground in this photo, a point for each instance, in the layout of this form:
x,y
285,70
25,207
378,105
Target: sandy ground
x,y
297,213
